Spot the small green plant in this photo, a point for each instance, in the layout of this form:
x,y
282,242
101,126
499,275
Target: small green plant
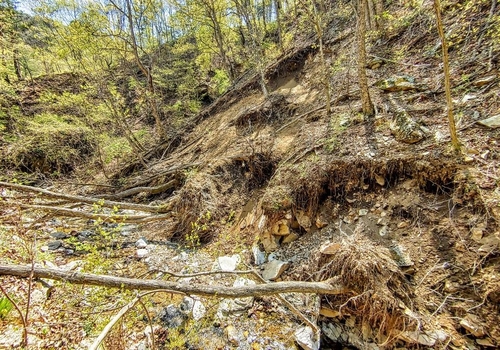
x,y
5,307
198,228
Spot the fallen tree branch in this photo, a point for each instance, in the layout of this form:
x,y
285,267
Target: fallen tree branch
x,y
331,287
121,313
58,211
88,200
136,190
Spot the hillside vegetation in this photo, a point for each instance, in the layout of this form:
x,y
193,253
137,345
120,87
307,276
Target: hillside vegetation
x,y
330,151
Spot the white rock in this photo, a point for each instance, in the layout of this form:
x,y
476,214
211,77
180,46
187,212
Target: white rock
x,y
199,310
141,243
227,263
141,253
304,336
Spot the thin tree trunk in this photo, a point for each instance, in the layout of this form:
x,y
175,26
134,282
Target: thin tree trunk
x,y
446,67
367,105
146,71
330,287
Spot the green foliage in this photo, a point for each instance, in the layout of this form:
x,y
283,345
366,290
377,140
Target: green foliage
x,y
52,143
198,229
5,307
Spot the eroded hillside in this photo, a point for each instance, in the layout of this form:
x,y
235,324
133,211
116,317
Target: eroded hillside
x,y
381,206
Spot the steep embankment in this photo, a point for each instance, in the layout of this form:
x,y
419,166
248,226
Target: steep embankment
x,y
382,204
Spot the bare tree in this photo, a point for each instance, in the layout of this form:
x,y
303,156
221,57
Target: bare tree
x,y
446,67
367,105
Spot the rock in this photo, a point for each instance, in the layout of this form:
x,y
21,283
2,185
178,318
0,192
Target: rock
x,y
141,243
54,245
172,317
280,228
59,235
345,334
141,253
362,212
321,220
237,306
403,224
473,325
126,230
193,306
330,248
492,122
424,338
269,241
227,263
290,238
398,83
485,80
44,248
384,230
303,220
401,257
380,179
477,234
232,335
304,336
405,129
274,269
259,257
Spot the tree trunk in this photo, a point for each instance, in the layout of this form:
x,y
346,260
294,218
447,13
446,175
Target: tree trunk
x,y
367,105
146,71
444,45
330,287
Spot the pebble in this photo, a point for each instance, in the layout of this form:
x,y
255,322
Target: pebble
x,y
141,243
141,253
54,245
274,269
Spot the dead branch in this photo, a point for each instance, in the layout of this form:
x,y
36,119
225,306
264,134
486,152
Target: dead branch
x,y
88,200
136,190
330,287
58,211
123,311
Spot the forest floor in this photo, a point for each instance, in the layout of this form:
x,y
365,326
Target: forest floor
x,y
383,202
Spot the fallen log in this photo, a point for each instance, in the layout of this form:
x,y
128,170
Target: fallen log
x,y
88,200
331,287
58,211
135,190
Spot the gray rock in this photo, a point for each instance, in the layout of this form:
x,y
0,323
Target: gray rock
x,y
172,317
305,337
259,257
405,129
362,212
492,122
400,255
141,243
274,269
237,306
54,245
59,235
